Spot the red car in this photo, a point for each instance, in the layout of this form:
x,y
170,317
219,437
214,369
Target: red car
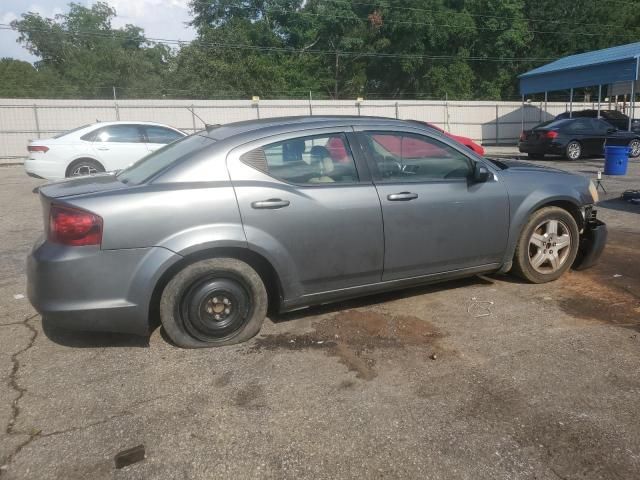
x,y
466,141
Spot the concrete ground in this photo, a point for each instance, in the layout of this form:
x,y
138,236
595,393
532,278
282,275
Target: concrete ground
x,y
485,378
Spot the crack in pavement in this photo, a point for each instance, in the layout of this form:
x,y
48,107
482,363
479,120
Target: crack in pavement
x,y
13,384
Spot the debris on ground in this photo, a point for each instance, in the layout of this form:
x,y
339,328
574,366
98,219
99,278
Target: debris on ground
x,y
18,296
481,308
130,456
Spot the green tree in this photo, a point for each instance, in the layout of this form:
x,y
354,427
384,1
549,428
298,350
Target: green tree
x,y
84,51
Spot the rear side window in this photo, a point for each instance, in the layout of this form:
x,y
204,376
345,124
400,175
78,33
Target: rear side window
x,y
313,160
161,135
175,152
120,134
579,125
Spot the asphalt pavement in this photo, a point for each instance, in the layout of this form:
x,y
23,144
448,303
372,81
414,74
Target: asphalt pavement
x,y
484,378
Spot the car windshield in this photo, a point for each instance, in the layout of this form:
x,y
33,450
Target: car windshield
x,y
152,164
553,124
62,134
550,124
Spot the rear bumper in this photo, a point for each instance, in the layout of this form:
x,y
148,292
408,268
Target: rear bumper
x,y
592,243
47,169
540,148
88,289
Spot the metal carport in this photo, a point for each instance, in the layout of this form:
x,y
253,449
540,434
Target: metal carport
x,y
611,66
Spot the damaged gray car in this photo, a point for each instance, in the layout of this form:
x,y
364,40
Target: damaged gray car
x,y
211,231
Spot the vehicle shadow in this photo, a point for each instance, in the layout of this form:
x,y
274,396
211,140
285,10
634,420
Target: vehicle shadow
x,y
75,339
376,299
619,205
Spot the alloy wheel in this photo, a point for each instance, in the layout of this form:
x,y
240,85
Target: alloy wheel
x,y
574,150
84,169
549,246
635,148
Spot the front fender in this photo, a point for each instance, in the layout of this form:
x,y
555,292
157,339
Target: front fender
x,y
523,207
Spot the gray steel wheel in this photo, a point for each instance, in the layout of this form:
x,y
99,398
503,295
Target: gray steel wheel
x,y
574,150
634,145
549,246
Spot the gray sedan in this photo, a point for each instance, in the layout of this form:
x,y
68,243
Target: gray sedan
x,y
209,232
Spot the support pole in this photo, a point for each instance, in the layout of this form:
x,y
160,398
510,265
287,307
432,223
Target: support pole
x,y
571,104
497,124
522,116
35,115
310,107
546,106
599,98
633,103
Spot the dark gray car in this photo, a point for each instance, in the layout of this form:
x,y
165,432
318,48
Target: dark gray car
x,y
284,213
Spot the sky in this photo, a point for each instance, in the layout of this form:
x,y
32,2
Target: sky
x,y
158,18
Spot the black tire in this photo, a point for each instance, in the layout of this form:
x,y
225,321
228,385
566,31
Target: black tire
x,y
199,292
86,165
573,150
634,145
522,261
536,156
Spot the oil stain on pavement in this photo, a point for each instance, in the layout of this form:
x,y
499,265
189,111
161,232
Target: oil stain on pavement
x,y
609,292
352,336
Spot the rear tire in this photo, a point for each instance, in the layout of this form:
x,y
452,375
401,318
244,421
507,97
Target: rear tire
x,y
214,302
84,166
548,245
634,145
573,151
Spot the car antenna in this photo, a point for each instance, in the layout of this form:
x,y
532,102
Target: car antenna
x,y
207,126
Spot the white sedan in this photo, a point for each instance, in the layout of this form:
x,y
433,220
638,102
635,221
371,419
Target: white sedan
x,y
100,147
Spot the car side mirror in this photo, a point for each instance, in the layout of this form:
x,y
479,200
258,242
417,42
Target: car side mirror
x,y
480,173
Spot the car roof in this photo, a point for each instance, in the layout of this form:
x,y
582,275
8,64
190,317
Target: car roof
x,y
278,124
127,122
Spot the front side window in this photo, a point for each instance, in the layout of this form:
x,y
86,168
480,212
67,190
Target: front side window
x,y
313,160
161,135
120,134
415,158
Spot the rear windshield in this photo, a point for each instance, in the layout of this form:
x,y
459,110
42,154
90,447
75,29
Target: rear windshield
x,y
614,115
553,124
154,163
62,134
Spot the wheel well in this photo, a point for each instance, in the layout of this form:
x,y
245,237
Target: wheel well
x,y
77,160
570,207
261,265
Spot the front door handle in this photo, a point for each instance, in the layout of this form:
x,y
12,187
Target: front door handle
x,y
103,148
402,196
271,204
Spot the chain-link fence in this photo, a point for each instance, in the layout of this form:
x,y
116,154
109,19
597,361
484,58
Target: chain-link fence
x,y
489,123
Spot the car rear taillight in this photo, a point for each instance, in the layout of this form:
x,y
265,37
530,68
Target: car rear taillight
x,y
38,148
74,227
550,135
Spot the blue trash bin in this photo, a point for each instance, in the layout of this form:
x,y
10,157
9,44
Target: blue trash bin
x,y
616,160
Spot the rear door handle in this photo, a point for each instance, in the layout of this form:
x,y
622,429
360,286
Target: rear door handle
x,y
402,196
271,204
103,148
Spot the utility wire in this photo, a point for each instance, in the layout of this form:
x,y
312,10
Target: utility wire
x,y
288,50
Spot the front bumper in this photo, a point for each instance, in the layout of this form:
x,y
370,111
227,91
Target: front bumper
x,y
592,243
89,289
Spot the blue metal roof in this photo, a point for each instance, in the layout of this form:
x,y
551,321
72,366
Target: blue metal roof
x,y
600,67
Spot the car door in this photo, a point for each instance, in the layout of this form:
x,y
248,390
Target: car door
x,y
582,130
118,146
435,218
601,129
157,137
310,210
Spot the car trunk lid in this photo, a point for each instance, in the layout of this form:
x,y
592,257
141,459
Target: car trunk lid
x,y
82,185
